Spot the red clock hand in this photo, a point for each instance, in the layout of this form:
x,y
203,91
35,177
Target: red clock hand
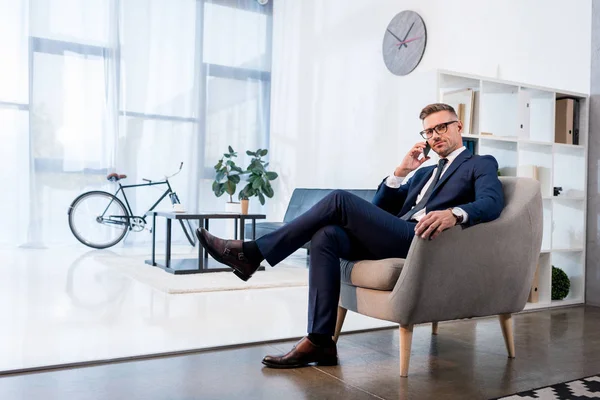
x,y
408,41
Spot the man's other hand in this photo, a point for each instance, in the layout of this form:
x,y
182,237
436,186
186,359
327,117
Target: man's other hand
x,y
434,223
411,160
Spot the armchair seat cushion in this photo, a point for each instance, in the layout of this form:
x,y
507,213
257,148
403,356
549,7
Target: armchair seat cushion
x,y
372,274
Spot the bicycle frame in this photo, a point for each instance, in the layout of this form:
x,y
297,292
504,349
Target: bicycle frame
x,y
131,215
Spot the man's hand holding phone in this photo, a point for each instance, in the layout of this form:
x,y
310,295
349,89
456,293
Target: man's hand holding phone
x,y
416,156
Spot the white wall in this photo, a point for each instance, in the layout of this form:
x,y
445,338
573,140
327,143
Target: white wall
x,y
341,120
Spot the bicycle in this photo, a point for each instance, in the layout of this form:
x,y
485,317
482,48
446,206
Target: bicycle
x,y
113,219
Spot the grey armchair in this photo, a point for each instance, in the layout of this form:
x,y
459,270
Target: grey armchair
x,y
483,270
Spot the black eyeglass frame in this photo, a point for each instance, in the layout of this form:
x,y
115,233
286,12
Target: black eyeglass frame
x,y
440,129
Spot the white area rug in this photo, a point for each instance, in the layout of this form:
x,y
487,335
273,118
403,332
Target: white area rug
x,y
134,267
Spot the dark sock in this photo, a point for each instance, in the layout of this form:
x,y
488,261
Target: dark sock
x,y
320,339
252,252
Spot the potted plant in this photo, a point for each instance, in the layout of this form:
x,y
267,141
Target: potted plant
x,y
560,284
226,179
259,179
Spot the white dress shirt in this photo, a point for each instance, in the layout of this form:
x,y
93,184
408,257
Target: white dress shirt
x,y
395,182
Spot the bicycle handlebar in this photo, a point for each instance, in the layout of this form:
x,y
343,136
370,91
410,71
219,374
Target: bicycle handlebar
x,y
178,171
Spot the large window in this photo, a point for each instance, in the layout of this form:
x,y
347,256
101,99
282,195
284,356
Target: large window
x,y
136,86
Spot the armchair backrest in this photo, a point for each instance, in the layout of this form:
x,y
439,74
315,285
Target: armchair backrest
x,y
482,270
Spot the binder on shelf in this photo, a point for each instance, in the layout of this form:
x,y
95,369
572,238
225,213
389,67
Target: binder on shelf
x,y
564,121
469,144
534,293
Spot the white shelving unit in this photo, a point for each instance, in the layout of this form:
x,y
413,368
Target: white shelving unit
x,y
514,122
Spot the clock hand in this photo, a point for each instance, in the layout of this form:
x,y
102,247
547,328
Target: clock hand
x,y
409,29
394,35
408,41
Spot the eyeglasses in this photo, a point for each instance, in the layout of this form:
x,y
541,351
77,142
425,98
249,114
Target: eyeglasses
x,y
440,129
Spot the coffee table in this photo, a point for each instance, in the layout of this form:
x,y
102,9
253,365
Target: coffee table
x,y
203,263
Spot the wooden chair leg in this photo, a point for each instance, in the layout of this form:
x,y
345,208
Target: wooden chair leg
x,y
341,315
507,331
406,332
434,328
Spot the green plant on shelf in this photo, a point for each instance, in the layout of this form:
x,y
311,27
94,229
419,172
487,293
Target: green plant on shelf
x,y
560,284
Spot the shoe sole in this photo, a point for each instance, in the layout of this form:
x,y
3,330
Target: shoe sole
x,y
219,258
323,363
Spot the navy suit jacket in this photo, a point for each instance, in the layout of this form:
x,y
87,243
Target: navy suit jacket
x,y
471,183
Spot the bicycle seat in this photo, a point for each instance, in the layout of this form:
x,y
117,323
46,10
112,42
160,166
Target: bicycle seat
x,y
114,177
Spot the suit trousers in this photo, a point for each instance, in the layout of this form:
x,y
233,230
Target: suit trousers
x,y
341,225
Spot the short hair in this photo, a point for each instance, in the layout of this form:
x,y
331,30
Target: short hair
x,y
436,107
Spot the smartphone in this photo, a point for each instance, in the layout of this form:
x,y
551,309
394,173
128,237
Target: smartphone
x,y
426,149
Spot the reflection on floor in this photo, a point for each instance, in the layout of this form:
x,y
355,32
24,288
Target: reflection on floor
x,y
467,360
61,306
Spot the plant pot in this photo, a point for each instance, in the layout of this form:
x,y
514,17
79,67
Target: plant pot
x,y
245,204
233,207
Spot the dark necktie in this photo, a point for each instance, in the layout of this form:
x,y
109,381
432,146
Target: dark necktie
x,y
421,204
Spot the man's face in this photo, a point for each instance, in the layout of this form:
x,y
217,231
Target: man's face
x,y
445,143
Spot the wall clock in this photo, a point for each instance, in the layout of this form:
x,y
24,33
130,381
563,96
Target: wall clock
x,y
404,42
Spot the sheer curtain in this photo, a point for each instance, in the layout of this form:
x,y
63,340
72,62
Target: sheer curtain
x,y
89,87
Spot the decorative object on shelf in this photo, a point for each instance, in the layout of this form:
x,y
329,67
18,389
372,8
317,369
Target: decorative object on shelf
x,y
245,204
486,133
557,190
226,179
404,42
262,2
259,179
565,120
560,284
534,294
528,171
463,102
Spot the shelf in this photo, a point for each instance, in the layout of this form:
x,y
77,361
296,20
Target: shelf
x,y
567,250
569,146
536,142
538,305
520,119
569,197
566,302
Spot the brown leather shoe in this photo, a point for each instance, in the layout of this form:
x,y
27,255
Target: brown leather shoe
x,y
302,354
228,252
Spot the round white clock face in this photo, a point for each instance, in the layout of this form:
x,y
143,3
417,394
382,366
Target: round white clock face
x,y
404,42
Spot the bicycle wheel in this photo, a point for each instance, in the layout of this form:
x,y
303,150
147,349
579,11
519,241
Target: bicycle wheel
x,y
98,219
186,225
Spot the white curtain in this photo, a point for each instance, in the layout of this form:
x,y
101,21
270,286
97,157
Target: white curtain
x,y
89,87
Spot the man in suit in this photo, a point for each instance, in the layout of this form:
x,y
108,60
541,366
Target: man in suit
x,y
461,189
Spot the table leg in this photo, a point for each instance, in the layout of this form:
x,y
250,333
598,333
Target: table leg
x,y
242,228
235,228
168,245
153,239
253,229
201,263
206,227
